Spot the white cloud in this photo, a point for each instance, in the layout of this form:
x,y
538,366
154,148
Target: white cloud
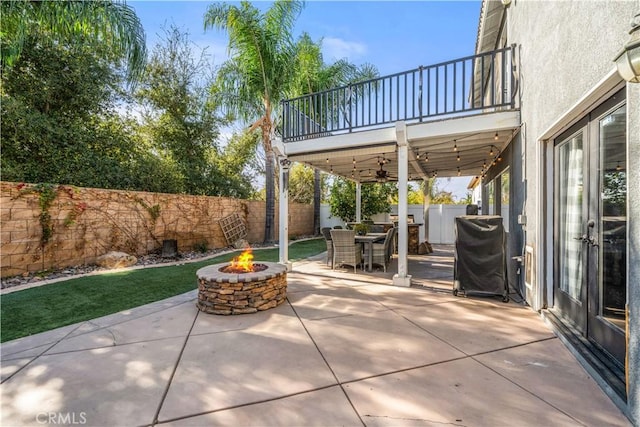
x,y
335,48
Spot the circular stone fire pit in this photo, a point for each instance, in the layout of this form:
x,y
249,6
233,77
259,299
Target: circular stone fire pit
x,y
241,293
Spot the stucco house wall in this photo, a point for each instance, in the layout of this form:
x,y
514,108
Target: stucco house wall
x,y
561,57
565,49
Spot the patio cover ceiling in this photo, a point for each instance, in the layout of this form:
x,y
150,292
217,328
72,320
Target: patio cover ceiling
x,y
464,146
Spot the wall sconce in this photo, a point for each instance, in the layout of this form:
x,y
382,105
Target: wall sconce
x,y
628,60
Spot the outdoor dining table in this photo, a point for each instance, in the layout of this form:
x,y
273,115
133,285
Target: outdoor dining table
x,y
370,239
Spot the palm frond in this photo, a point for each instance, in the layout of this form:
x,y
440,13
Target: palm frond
x,y
110,23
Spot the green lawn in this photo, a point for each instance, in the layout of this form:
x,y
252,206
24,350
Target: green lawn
x,y
48,307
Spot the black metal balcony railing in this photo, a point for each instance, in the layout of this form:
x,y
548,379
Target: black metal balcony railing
x,y
478,82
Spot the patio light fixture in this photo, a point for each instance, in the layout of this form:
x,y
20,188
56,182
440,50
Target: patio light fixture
x,y
628,60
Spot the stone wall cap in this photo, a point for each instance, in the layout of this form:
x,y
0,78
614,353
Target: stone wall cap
x,y
213,273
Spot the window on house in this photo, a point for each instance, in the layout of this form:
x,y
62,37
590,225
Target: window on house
x,y
491,199
504,198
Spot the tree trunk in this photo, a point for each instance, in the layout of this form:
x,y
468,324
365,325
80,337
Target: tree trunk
x,y
316,202
269,219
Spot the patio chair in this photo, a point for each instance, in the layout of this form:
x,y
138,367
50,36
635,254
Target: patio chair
x,y
391,249
326,232
382,251
345,249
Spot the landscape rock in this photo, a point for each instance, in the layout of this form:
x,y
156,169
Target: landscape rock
x,y
240,244
116,260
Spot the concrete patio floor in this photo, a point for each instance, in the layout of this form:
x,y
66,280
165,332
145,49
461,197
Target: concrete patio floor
x,y
345,349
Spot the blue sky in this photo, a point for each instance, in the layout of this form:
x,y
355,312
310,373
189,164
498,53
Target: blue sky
x,y
392,35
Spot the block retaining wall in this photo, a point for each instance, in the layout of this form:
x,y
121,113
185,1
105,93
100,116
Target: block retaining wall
x,y
88,222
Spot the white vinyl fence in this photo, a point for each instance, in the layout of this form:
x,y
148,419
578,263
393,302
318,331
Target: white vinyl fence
x,y
441,220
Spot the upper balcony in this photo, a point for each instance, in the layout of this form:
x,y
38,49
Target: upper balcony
x,y
467,102
477,83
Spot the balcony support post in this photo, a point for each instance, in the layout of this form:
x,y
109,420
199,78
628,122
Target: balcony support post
x,y
358,202
284,213
402,278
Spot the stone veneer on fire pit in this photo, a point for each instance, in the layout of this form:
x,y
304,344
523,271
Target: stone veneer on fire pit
x,y
241,293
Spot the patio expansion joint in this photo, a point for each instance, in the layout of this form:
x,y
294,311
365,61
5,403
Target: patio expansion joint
x,y
422,420
426,304
173,372
160,309
361,281
241,405
53,353
542,399
339,316
40,354
474,358
468,355
340,384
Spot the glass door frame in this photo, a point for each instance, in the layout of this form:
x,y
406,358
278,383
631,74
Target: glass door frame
x,y
600,331
571,309
584,314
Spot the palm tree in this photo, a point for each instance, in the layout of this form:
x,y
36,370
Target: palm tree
x,y
313,75
258,73
108,23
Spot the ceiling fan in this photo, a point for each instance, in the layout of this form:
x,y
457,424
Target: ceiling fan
x,y
381,174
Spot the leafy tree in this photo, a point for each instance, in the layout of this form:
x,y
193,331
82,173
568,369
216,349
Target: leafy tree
x,y
61,122
466,200
302,183
443,198
376,198
415,196
236,163
110,26
179,119
258,73
58,116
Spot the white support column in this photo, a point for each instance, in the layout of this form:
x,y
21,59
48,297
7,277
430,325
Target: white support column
x,y
402,279
358,202
284,212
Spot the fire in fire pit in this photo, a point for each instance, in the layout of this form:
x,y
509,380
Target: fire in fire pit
x,y
240,286
243,263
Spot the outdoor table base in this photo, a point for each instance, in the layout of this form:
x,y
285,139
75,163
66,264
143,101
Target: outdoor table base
x,y
370,239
